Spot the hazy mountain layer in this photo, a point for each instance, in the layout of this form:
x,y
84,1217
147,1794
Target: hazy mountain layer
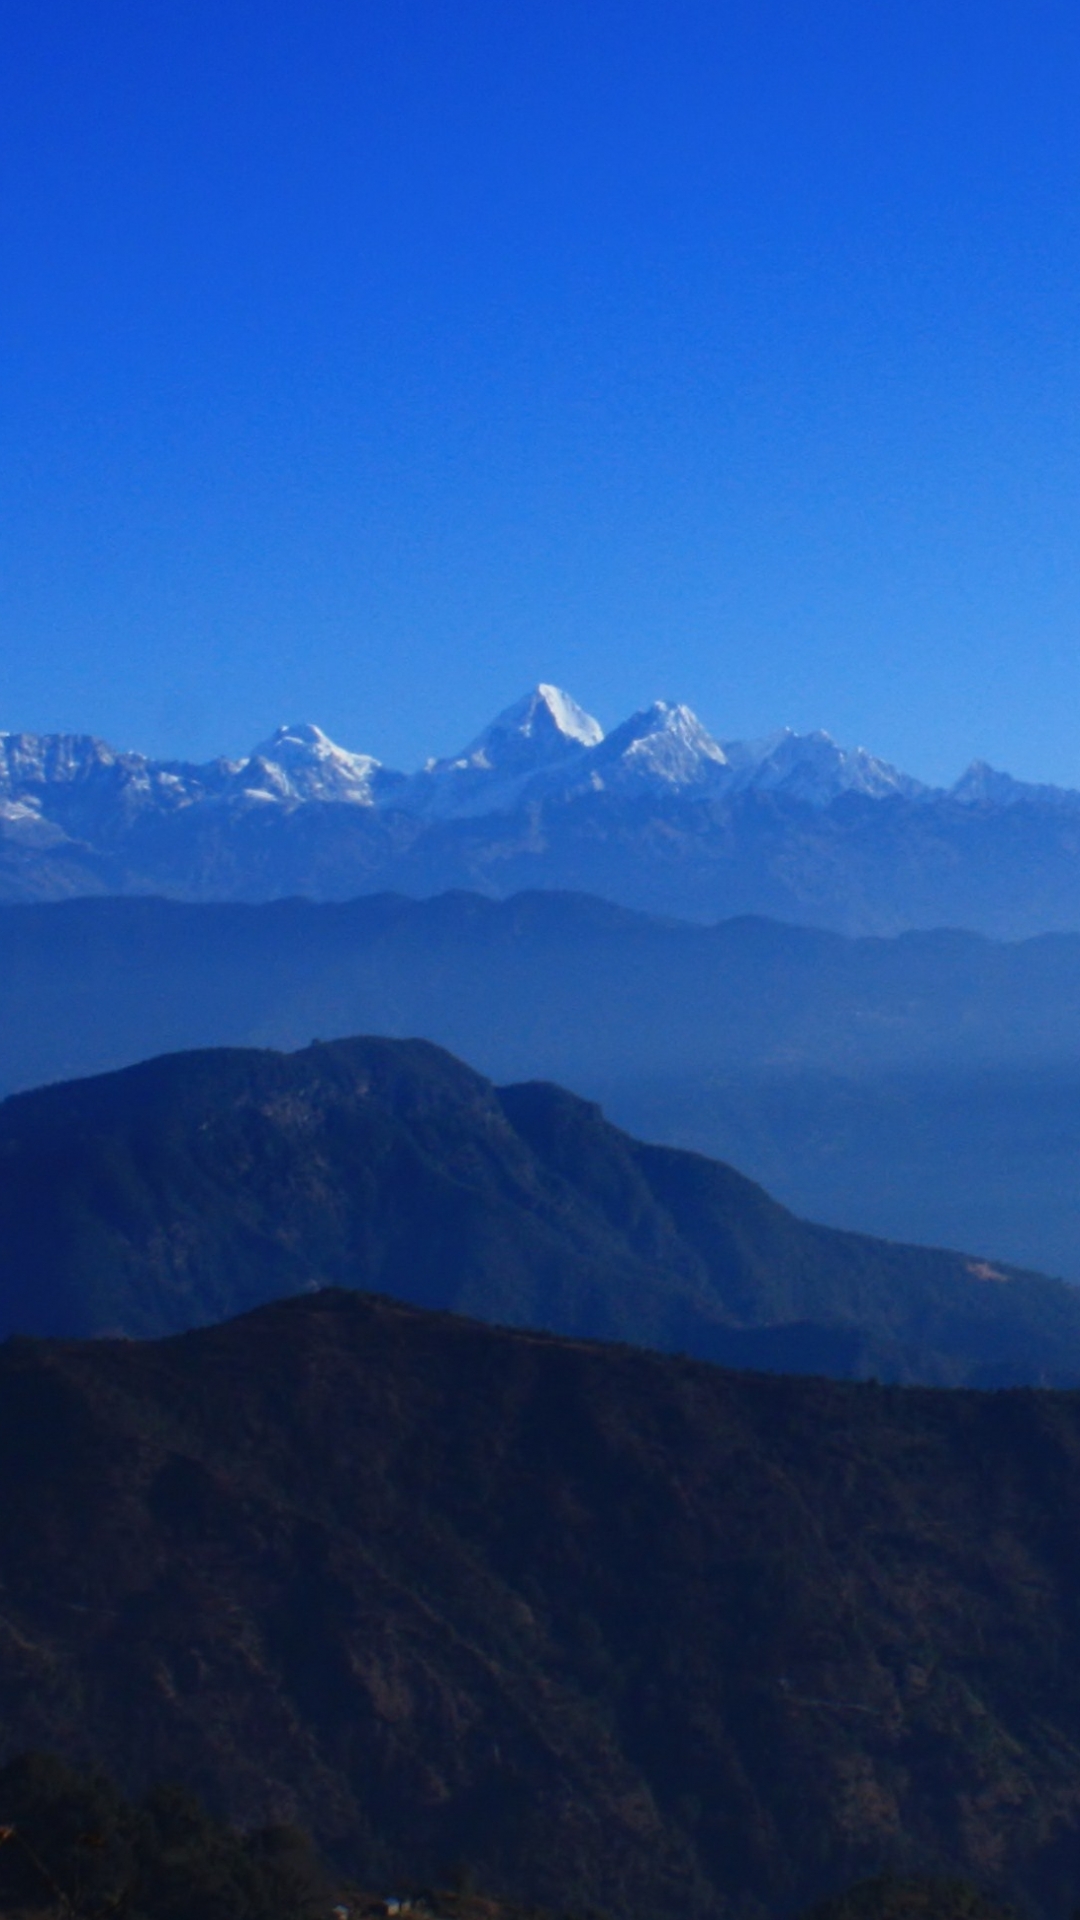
x,y
984,1158
925,1087
656,815
620,1631
190,1188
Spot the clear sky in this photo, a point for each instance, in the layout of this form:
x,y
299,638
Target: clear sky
x,y
367,361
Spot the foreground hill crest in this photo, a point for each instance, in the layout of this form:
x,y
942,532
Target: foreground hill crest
x,y
607,1625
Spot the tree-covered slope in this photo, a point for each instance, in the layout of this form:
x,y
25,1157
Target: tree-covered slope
x,y
192,1187
923,1088
615,1629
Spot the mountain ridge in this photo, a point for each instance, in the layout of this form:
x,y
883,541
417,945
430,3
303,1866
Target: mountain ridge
x,y
923,1088
190,1188
656,815
622,1631
533,736
529,737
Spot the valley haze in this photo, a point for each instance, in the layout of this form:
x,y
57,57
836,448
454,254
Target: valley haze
x,y
193,1187
924,1087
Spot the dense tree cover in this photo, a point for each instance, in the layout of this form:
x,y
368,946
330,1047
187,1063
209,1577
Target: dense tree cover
x,y
72,1845
623,1631
910,1897
198,1185
925,1087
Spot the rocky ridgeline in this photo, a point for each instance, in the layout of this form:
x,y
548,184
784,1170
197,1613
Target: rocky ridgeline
x,y
655,814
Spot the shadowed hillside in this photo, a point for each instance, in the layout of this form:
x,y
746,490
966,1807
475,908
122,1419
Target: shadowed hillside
x,y
924,1088
192,1187
617,1630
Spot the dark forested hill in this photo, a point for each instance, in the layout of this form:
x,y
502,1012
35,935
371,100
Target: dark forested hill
x,y
616,1630
192,1187
923,1088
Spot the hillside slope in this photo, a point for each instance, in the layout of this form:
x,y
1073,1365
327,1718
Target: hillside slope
x,y
618,1630
193,1187
922,1088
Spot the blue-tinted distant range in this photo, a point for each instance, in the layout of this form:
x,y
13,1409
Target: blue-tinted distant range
x,y
654,815
371,363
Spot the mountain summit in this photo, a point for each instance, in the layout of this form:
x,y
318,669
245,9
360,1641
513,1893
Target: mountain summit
x,y
813,768
656,815
542,747
542,724
544,714
202,1184
301,762
664,746
546,729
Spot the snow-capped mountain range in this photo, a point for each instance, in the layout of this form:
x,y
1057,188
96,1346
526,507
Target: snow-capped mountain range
x,y
544,747
656,814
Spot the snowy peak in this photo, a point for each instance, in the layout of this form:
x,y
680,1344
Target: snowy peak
x,y
663,745
981,782
301,762
546,747
541,734
548,712
542,726
543,748
32,760
301,740
544,751
72,786
811,767
983,785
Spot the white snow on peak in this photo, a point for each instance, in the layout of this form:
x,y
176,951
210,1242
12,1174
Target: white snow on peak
x,y
301,762
571,720
529,742
981,784
29,760
813,768
302,738
539,726
546,747
663,743
542,750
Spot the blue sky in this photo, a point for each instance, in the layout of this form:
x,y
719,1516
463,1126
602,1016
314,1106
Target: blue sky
x,y
368,364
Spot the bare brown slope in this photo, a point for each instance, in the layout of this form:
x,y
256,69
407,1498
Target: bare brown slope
x,y
621,1630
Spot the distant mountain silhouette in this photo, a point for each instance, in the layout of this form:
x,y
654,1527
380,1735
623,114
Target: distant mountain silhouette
x,y
192,1187
614,1629
925,1088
